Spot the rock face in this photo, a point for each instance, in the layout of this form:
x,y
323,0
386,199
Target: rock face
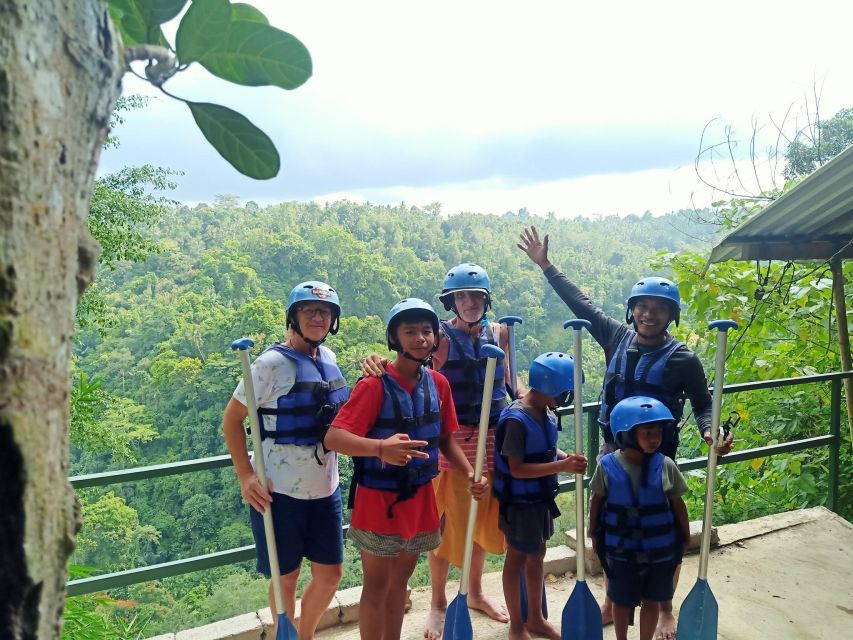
x,y
59,77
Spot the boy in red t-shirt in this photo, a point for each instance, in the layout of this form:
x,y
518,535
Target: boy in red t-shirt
x,y
394,427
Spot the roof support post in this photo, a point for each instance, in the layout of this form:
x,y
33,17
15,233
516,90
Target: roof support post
x,y
843,334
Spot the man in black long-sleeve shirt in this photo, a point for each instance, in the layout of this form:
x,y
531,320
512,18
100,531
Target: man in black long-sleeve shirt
x,y
668,369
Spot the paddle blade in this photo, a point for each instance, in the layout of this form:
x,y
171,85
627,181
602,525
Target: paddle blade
x,y
285,630
697,619
457,620
581,615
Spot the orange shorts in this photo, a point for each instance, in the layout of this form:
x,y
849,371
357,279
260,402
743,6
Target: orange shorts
x,y
453,501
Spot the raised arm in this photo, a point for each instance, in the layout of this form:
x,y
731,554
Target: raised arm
x,y
604,328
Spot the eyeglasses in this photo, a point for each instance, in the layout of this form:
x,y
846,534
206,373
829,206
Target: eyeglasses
x,y
313,312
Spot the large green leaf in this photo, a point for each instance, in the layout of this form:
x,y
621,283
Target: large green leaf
x,y
241,11
160,11
203,29
257,54
138,21
247,148
130,21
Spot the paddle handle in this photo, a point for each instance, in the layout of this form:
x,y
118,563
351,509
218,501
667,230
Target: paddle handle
x,y
722,327
510,322
242,346
493,354
577,327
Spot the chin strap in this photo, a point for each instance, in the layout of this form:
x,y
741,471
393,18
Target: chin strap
x,y
424,362
313,343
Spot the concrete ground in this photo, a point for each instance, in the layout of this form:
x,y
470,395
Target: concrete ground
x,y
784,576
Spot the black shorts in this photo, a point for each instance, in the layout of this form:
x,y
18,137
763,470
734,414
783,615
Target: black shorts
x,y
303,529
630,583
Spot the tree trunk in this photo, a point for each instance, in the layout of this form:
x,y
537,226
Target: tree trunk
x,y
59,76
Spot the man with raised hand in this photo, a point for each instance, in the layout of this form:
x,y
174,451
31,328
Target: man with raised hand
x,y
642,359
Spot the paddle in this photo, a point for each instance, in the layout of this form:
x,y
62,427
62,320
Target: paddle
x,y
581,615
510,321
285,629
457,622
697,619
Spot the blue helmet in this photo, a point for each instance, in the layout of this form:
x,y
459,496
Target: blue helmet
x,y
552,374
634,411
465,277
654,287
409,310
313,290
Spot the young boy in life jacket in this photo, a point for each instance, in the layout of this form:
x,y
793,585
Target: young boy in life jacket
x,y
637,518
298,389
394,427
466,291
526,484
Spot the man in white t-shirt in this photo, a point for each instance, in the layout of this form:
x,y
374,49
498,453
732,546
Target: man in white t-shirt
x,y
298,388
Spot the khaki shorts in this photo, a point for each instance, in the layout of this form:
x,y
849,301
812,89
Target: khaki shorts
x,y
392,545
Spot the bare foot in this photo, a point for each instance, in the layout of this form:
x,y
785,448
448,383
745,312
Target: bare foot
x,y
607,612
434,626
542,627
666,626
494,611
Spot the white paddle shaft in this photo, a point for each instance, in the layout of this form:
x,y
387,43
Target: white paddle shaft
x,y
269,532
579,500
485,411
711,476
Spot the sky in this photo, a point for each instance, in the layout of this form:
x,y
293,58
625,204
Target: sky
x,y
567,107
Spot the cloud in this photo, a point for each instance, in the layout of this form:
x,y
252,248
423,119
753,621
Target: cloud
x,y
514,102
655,190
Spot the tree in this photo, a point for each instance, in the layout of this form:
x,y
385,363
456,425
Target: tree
x,y
817,145
60,69
63,61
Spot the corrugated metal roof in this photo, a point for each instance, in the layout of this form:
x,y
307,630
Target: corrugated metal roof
x,y
814,220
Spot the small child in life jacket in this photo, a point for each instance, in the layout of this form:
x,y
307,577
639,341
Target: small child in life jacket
x,y
526,484
394,427
637,519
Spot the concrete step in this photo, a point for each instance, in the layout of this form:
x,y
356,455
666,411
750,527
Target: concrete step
x,y
695,537
560,561
344,609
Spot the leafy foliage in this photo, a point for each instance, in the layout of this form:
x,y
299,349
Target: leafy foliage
x,y
98,617
225,269
815,146
786,317
103,422
234,42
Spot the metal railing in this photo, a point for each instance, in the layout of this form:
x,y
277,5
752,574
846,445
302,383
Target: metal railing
x,y
241,554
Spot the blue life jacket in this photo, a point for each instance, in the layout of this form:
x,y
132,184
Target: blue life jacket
x,y
465,370
540,445
637,528
647,379
417,414
304,413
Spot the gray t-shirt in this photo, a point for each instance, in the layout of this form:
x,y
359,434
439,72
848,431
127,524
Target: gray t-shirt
x,y
673,483
528,523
